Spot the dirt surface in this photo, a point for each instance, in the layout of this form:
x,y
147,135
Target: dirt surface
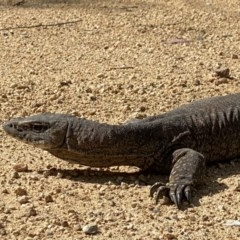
x,y
111,61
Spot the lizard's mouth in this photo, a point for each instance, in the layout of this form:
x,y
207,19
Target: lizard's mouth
x,y
12,129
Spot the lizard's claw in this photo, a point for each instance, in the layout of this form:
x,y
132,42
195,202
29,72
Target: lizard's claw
x,y
176,192
188,193
160,189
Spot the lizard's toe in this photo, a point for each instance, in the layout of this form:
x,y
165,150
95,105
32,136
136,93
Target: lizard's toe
x,y
155,187
161,192
160,189
188,193
176,192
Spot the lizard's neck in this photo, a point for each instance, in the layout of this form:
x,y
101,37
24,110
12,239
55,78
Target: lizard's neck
x,y
102,145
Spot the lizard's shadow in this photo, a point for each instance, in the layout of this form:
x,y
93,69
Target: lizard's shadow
x,y
211,185
216,172
96,175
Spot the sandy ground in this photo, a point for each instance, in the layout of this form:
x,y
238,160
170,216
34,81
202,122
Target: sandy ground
x,y
110,61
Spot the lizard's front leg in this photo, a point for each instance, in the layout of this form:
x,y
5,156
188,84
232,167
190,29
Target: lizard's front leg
x,y
188,170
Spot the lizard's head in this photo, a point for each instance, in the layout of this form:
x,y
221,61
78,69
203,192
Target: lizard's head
x,y
45,131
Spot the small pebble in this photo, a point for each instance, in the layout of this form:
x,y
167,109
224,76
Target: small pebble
x,y
137,115
5,191
31,212
23,199
134,204
15,175
64,83
60,175
90,228
48,198
3,232
101,75
77,227
221,208
169,236
142,109
232,223
221,81
223,72
93,98
166,200
65,223
20,168
234,56
7,211
237,188
20,191
124,185
196,82
178,41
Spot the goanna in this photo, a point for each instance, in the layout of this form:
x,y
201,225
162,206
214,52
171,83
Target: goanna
x,y
179,142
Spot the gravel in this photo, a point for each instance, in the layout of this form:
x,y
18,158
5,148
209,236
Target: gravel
x,y
111,61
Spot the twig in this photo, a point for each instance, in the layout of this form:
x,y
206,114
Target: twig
x,y
123,67
41,25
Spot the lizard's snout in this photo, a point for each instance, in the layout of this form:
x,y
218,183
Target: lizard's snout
x,y
6,126
10,128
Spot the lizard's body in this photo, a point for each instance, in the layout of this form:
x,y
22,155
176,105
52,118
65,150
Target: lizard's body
x,y
179,141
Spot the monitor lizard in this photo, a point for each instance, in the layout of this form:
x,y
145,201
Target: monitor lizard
x,y
179,142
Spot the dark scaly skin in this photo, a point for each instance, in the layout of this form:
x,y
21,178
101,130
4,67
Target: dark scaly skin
x,y
178,142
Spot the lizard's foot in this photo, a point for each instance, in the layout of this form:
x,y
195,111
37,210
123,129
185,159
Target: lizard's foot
x,y
176,192
187,170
